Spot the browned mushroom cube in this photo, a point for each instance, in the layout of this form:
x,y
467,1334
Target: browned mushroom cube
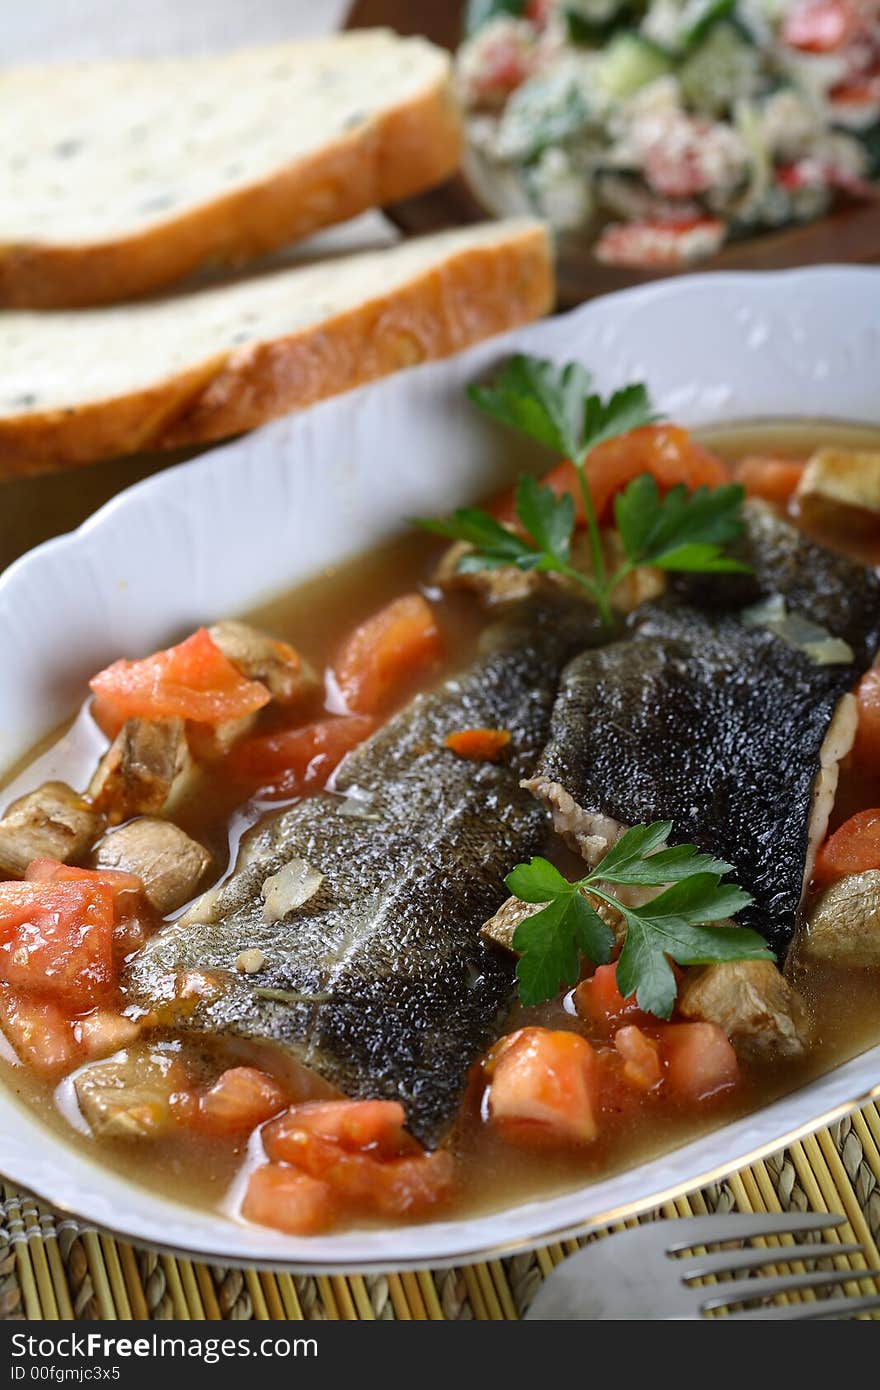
x,y
169,864
137,773
260,657
53,822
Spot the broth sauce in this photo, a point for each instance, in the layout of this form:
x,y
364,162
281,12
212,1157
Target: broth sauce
x,y
200,1171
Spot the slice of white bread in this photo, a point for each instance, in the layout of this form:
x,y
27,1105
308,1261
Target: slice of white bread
x,y
80,385
120,177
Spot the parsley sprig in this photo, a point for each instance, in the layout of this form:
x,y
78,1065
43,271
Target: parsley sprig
x,y
554,405
672,926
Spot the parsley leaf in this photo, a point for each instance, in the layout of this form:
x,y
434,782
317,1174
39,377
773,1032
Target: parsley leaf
x,y
552,942
541,400
671,927
682,531
548,519
553,405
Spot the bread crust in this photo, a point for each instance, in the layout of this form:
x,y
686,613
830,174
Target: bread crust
x,y
401,152
476,292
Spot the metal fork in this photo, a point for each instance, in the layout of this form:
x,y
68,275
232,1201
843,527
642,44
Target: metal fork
x,y
642,1273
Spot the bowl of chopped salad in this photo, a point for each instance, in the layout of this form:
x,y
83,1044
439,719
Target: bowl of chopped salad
x,y
656,134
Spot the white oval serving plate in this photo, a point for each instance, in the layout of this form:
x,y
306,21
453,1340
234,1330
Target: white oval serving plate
x,y
215,536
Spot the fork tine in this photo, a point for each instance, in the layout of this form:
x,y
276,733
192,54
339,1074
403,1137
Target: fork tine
x,y
729,1261
716,1230
744,1290
821,1308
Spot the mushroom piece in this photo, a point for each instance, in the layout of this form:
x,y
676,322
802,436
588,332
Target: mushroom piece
x,y
492,587
843,926
53,822
170,864
138,772
752,1002
510,584
260,657
129,1096
501,927
841,483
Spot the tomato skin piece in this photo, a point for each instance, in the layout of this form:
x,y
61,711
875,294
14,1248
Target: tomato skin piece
x,y
700,1060
40,1034
866,749
367,1184
383,654
355,1125
820,26
192,681
599,1000
289,1201
667,452
854,847
478,745
771,479
642,1064
295,761
543,1088
239,1100
53,871
56,939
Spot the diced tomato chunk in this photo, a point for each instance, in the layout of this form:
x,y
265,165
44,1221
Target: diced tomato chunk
x,y
820,26
289,1201
642,1066
667,452
40,1034
57,939
854,847
478,745
599,1000
193,680
383,655
700,1060
366,1183
239,1100
772,479
353,1124
866,749
543,1087
53,871
296,761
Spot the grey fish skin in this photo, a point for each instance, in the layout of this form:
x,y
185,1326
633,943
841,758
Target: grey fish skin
x,y
713,725
405,993
831,589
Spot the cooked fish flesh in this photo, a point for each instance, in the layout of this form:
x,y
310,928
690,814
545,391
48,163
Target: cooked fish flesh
x,y
716,726
821,585
380,980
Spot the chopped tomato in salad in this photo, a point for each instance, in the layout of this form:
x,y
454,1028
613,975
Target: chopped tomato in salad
x,y
192,681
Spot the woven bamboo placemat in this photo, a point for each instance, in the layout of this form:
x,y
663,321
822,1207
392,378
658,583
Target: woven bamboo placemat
x,y
55,1268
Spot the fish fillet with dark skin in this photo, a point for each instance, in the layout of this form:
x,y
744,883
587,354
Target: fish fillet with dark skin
x,y
718,726
398,991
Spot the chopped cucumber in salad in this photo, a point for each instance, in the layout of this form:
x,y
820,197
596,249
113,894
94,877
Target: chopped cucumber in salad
x,y
717,118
